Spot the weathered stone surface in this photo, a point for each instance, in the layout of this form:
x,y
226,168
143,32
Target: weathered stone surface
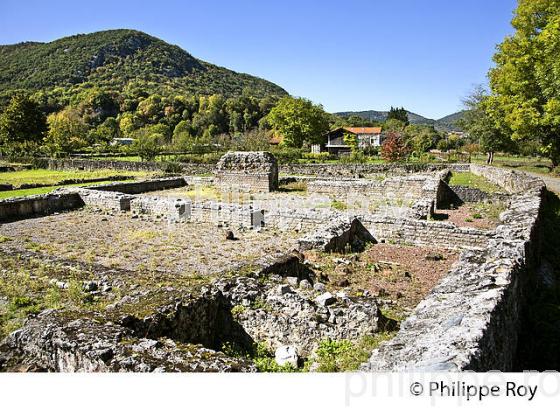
x,y
295,319
339,236
286,355
53,342
37,205
257,171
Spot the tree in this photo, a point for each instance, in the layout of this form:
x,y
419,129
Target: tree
x,y
147,143
525,82
105,132
67,132
482,122
298,120
22,124
394,147
394,125
351,140
398,114
420,138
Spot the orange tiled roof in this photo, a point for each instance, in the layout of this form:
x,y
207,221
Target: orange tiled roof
x,y
363,130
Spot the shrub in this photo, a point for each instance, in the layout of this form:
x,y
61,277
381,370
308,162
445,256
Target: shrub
x,y
172,167
394,148
320,156
286,155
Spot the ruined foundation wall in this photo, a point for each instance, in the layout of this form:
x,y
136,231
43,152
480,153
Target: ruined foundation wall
x,y
412,187
471,319
233,215
37,205
92,165
139,187
408,231
355,170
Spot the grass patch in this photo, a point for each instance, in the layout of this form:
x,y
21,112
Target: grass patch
x,y
338,205
471,180
488,210
51,177
203,193
294,187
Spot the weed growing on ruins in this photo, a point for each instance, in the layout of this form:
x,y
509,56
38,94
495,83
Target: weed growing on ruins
x,y
489,210
344,355
296,187
338,205
4,239
29,286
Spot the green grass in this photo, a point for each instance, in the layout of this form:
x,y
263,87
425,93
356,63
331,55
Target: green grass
x,y
50,177
17,193
471,180
26,284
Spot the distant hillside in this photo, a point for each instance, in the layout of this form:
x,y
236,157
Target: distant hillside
x,y
112,59
447,123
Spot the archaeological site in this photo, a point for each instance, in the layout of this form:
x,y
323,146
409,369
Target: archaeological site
x,y
251,266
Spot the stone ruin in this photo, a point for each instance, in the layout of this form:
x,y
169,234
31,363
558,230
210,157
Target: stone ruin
x,y
247,171
470,320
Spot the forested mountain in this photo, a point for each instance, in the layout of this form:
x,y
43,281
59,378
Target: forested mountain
x,y
115,59
447,123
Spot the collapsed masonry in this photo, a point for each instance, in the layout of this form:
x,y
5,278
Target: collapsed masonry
x,y
469,321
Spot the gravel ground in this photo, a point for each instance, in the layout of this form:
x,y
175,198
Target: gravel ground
x,y
402,274
142,244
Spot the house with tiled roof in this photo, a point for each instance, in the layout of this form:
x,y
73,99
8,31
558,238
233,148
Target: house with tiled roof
x,y
366,136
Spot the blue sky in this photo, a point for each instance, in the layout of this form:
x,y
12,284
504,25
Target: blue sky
x,y
425,55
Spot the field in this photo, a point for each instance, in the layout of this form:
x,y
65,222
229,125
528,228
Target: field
x,y
43,181
50,177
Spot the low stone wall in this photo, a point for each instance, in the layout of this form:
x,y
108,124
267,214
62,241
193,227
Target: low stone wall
x,y
91,165
471,319
233,215
512,181
38,205
200,212
408,187
418,232
102,200
139,187
324,170
356,170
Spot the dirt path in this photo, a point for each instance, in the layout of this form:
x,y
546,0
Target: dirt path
x,y
552,183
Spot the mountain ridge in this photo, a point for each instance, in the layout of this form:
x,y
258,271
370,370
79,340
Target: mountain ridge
x,y
447,123
114,58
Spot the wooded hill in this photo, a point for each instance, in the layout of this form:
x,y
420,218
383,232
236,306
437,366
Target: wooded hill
x,y
115,59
